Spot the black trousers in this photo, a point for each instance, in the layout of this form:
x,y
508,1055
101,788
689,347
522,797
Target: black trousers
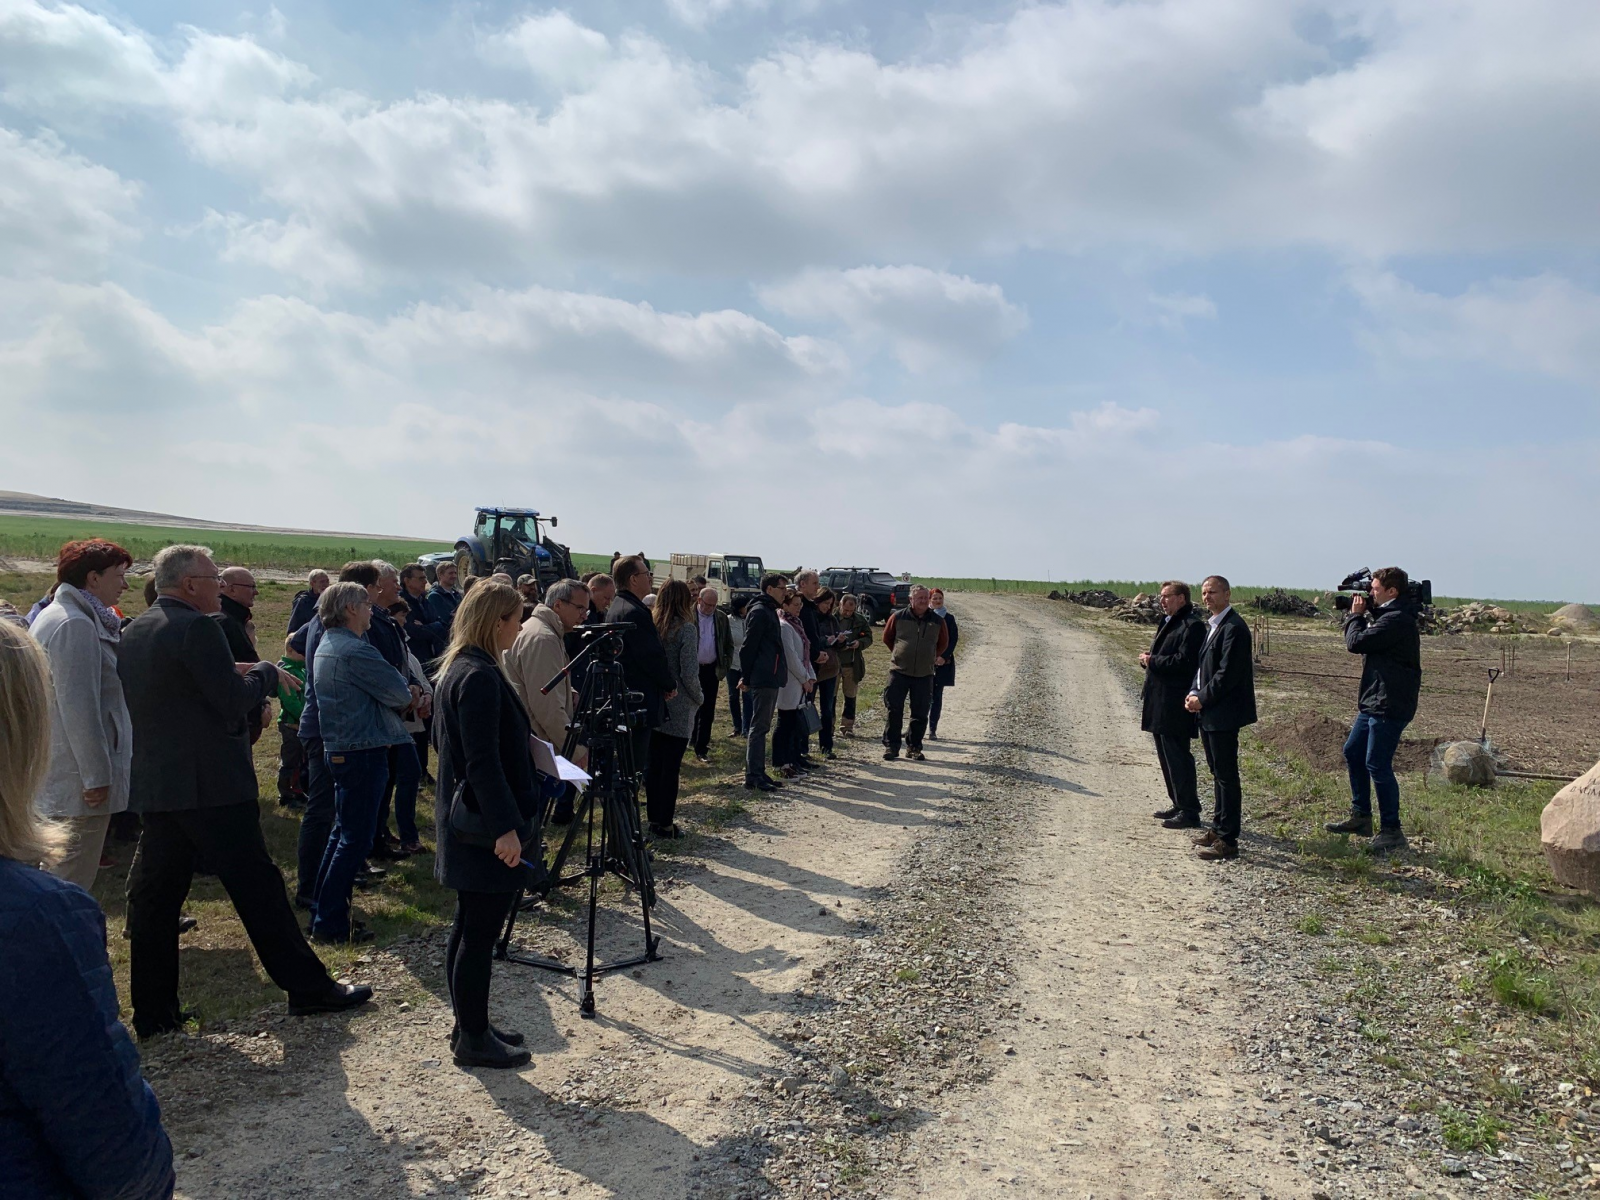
x,y
469,955
894,699
706,715
935,706
661,777
291,765
229,839
1222,756
316,821
1176,756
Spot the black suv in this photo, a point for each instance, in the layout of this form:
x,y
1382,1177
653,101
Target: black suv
x,y
878,592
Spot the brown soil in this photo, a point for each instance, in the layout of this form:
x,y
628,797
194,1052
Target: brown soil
x,y
1319,739
1540,719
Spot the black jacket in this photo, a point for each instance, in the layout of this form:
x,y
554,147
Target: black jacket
x,y
1391,676
235,621
1174,659
761,657
425,634
945,676
643,658
190,710
813,631
481,732
303,609
1228,677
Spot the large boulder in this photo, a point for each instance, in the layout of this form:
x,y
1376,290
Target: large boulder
x,y
1569,829
1467,763
1575,618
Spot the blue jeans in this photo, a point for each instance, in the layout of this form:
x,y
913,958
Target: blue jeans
x,y
316,821
405,777
358,779
1369,753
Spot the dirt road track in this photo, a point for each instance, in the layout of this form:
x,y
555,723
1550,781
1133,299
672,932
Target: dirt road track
x,y
1121,1081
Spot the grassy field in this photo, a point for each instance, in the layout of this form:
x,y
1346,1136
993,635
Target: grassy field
x,y
1132,587
221,975
42,537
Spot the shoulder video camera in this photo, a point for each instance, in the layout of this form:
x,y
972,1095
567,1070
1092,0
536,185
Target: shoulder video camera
x,y
1418,593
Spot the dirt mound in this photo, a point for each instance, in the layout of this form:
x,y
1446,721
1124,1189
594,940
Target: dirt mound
x,y
1320,740
1575,618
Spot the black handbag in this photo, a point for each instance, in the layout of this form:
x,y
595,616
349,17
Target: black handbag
x,y
810,717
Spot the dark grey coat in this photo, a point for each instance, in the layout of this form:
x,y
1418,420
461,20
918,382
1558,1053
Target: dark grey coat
x,y
1228,677
481,732
1174,659
190,710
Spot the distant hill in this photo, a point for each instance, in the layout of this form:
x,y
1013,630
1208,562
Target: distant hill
x,y
26,504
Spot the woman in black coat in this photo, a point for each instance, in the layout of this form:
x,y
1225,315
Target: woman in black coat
x,y
485,806
943,676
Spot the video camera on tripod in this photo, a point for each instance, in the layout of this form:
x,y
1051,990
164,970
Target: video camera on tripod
x,y
602,721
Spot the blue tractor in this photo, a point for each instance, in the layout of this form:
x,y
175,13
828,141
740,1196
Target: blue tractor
x,y
513,540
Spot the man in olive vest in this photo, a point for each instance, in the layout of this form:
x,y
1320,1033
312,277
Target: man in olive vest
x,y
917,638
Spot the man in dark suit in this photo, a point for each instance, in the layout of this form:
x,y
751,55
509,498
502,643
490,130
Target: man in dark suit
x,y
1224,695
643,658
194,785
1170,665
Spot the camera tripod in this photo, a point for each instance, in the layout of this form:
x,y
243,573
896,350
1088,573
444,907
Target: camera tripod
x,y
605,713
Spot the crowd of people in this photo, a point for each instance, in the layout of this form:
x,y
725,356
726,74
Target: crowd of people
x,y
1200,680
154,717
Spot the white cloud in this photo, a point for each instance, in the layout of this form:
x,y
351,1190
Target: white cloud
x,y
931,319
553,46
1191,125
697,14
59,213
1545,324
1173,309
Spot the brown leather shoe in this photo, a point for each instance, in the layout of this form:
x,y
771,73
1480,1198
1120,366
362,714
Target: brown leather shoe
x,y
1206,838
1219,850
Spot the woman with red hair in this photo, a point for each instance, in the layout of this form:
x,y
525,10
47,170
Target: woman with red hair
x,y
91,742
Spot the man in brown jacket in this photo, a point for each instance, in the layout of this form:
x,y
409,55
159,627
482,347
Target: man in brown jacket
x,y
536,657
917,638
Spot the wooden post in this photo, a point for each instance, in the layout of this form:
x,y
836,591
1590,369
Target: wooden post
x,y
1569,662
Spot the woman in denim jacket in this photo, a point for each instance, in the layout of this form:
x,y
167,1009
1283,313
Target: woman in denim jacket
x,y
360,699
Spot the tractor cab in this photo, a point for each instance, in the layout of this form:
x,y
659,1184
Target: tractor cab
x,y
513,540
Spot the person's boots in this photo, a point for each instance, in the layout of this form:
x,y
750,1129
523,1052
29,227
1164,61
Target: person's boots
x,y
1389,841
1358,824
486,1050
847,727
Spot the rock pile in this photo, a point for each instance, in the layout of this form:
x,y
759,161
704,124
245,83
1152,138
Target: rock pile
x,y
1285,604
1574,618
1094,598
1569,829
1141,610
1476,617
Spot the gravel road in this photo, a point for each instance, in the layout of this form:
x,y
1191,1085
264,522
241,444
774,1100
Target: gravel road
x,y
988,974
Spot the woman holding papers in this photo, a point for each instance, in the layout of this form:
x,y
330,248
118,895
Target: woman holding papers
x,y
487,800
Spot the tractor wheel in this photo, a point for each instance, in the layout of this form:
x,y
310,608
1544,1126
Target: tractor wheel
x,y
464,564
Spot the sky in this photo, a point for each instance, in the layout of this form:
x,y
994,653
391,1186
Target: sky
x,y
1076,290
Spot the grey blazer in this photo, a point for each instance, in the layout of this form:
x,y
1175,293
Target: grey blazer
x,y
683,660
91,734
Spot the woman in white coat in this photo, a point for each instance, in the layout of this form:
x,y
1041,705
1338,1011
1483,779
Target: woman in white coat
x,y
91,735
788,739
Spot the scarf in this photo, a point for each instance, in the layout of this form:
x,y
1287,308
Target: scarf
x,y
794,623
109,619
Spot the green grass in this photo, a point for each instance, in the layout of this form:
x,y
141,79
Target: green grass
x,y
42,538
1311,923
1518,982
1464,1131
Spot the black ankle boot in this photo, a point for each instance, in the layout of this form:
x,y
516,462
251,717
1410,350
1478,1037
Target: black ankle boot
x,y
510,1037
486,1050
1355,823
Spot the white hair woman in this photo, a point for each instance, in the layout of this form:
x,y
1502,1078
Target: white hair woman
x,y
76,1117
91,731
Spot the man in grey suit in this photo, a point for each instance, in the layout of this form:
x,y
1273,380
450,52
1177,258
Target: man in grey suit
x,y
194,785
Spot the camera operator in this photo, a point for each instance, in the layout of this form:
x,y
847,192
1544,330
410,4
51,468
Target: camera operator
x,y
1384,629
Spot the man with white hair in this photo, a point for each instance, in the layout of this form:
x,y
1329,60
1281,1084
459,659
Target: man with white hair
x,y
194,785
917,638
715,657
537,657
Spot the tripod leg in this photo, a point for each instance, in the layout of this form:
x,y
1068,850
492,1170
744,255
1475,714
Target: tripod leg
x,y
511,923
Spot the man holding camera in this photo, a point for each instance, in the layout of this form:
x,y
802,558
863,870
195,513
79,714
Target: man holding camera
x,y
1384,630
